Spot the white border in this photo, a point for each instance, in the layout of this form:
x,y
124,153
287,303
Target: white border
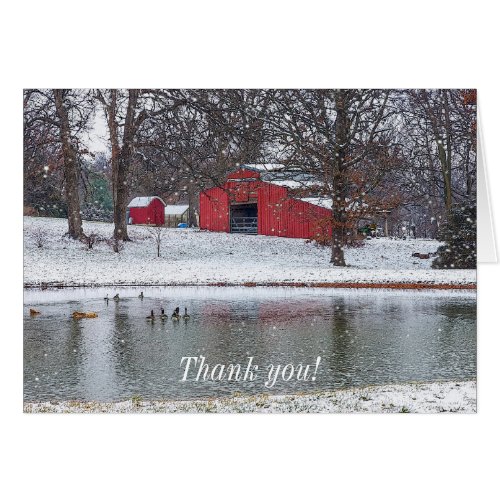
x,y
225,44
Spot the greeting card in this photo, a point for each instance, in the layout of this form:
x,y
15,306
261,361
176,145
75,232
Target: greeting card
x,y
252,250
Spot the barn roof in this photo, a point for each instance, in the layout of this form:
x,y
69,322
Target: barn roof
x,y
143,201
263,167
280,175
292,183
320,202
176,209
355,205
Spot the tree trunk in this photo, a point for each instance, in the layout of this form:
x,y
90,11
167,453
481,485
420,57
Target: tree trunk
x,y
449,140
121,198
337,258
192,208
121,157
130,128
71,168
339,218
443,136
443,160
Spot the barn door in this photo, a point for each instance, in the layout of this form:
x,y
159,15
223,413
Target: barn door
x,y
244,218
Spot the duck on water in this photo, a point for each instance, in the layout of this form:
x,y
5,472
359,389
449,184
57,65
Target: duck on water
x,y
175,315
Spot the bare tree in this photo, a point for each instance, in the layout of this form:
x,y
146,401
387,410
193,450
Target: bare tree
x,y
92,239
71,165
340,141
124,116
141,137
157,233
39,236
55,120
193,138
442,141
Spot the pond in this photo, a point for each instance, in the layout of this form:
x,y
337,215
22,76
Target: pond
x,y
363,337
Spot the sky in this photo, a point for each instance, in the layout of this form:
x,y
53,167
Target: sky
x,y
97,139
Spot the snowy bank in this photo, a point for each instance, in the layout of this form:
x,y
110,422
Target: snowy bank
x,y
192,257
36,296
436,397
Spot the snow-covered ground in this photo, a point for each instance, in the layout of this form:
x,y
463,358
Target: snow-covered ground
x,y
436,397
192,257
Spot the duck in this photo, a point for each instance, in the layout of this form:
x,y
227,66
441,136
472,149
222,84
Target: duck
x,y
81,315
175,314
163,315
34,312
186,315
116,297
141,295
151,317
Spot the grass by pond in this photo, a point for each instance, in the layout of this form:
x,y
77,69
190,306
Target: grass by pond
x,y
439,397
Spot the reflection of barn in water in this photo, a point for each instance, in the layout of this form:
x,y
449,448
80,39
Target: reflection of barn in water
x,y
260,199
279,329
271,311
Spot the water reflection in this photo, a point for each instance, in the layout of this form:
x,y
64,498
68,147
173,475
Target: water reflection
x,y
363,338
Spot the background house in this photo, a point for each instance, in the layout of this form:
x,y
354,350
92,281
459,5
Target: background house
x,y
176,214
146,210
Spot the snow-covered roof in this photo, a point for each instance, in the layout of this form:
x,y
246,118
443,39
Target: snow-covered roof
x,y
320,202
355,205
143,201
176,209
276,173
264,167
293,184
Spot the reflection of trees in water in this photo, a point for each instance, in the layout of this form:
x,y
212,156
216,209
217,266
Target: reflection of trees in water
x,y
454,339
454,310
403,339
102,370
221,322
131,359
342,350
71,356
60,339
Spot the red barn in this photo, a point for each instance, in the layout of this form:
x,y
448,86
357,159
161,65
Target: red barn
x,y
262,200
146,210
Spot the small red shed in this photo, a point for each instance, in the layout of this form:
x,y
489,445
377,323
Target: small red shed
x,y
146,210
254,200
